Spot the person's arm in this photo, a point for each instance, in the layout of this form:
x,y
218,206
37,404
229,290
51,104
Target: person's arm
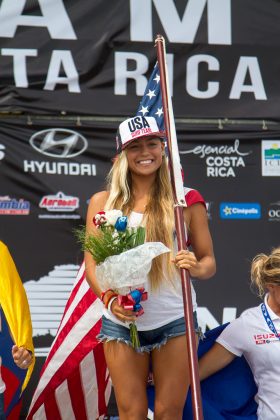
x,y
201,262
97,203
214,360
22,357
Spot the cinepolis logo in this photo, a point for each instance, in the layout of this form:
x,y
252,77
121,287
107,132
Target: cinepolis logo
x,y
59,143
240,211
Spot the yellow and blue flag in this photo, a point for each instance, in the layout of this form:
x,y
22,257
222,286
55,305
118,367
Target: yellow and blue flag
x,y
16,324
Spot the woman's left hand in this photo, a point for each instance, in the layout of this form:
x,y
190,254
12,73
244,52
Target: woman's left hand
x,y
22,357
187,259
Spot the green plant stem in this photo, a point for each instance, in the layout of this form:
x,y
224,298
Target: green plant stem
x,y
134,335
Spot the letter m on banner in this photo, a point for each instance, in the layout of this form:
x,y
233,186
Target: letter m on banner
x,y
181,30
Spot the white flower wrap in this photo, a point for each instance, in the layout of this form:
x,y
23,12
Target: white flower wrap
x,y
112,216
129,269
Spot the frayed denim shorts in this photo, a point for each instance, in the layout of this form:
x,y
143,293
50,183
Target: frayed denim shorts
x,y
149,340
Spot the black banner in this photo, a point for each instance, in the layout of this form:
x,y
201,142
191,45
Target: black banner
x,y
88,58
49,168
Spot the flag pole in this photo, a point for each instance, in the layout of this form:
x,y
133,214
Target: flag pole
x,y
179,204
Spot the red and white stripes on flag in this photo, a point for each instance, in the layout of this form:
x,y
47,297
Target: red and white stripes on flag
x,y
74,382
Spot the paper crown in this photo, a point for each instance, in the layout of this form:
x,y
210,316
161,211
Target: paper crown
x,y
135,128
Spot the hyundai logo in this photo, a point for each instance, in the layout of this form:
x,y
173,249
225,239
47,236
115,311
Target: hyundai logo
x,y
59,143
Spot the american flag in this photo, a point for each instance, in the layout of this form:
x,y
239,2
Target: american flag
x,y
151,103
74,382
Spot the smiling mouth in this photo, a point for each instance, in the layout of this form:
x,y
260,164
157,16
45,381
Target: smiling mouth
x,y
145,162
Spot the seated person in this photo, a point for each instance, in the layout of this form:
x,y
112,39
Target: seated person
x,y
255,334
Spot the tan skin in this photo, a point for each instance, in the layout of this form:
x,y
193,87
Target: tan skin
x,y
218,356
129,370
22,357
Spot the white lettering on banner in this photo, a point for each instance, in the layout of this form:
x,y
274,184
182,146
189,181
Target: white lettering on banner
x,y
59,168
122,73
205,150
218,165
225,161
59,58
223,166
274,213
181,30
62,58
220,172
19,63
54,18
250,65
246,64
207,321
192,76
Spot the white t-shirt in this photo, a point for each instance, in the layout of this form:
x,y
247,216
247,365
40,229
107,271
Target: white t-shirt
x,y
249,335
2,384
163,305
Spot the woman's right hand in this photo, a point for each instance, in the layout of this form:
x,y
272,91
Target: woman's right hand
x,y
123,315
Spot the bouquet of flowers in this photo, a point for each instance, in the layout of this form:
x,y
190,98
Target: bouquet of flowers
x,y
123,260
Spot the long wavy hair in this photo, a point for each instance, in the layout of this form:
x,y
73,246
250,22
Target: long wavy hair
x,y
265,270
159,212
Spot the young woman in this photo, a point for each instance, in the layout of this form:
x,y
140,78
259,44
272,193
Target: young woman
x,y
139,185
256,335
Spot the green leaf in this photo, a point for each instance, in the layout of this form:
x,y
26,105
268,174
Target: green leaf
x,y
107,241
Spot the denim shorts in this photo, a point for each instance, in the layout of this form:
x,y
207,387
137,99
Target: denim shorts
x,y
149,340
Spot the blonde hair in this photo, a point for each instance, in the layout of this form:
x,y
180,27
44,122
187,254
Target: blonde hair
x,y
265,270
159,212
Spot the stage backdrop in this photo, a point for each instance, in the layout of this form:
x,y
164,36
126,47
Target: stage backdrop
x,y
93,57
49,170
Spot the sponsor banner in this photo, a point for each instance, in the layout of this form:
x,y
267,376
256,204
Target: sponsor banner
x,y
271,157
221,160
273,212
240,211
13,207
57,58
59,203
49,170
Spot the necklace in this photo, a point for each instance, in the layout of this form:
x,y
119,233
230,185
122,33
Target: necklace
x,y
268,320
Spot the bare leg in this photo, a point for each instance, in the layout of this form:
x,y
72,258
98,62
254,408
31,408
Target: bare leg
x,y
171,378
129,372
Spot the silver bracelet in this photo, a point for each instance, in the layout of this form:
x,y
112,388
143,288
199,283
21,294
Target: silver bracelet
x,y
110,303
